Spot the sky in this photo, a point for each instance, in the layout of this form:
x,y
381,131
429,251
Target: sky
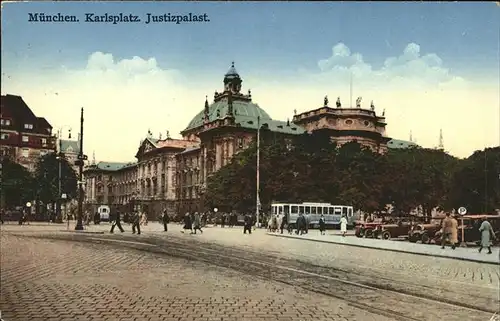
x,y
430,66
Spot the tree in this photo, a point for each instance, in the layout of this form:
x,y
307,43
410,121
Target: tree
x,y
17,184
476,183
47,179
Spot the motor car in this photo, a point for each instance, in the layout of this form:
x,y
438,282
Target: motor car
x,y
423,232
365,229
389,231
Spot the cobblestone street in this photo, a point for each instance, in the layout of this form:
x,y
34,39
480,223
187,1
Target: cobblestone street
x,y
56,280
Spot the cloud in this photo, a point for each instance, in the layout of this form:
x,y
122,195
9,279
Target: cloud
x,y
410,69
123,98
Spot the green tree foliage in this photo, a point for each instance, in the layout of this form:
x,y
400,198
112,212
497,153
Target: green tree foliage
x,y
17,184
476,183
47,179
311,168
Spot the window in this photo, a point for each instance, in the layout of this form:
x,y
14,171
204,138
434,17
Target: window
x,y
26,139
301,209
2,122
28,126
308,210
5,136
25,152
344,210
330,210
295,209
350,212
338,210
320,210
287,209
313,209
325,210
44,141
274,209
6,122
280,210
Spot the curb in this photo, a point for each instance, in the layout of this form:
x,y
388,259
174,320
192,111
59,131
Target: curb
x,y
82,232
391,250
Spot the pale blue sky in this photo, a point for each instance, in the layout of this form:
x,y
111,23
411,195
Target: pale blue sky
x,y
271,36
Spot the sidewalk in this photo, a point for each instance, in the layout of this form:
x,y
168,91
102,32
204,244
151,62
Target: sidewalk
x,y
460,253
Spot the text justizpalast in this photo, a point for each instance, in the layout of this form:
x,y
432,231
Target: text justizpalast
x,y
176,18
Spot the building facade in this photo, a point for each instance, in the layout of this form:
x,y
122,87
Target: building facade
x,y
24,136
172,173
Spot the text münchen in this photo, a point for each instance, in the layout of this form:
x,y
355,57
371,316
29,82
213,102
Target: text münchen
x,y
58,17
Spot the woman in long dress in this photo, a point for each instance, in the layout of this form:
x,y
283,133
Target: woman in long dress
x,y
343,226
486,235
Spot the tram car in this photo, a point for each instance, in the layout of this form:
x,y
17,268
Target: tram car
x,y
313,211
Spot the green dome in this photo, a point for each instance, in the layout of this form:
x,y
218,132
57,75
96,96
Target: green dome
x,y
241,110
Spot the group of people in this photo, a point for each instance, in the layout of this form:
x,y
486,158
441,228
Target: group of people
x,y
450,233
279,222
135,220
192,222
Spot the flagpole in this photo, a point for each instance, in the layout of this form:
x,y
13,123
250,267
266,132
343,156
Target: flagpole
x,y
257,197
350,91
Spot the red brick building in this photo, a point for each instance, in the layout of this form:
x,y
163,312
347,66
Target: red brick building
x,y
24,136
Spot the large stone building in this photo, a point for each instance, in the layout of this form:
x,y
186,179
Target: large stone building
x,y
172,173
24,136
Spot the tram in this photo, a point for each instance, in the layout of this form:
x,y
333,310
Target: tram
x,y
313,211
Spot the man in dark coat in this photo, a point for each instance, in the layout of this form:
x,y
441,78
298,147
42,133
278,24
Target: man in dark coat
x,y
247,224
188,223
136,219
116,222
165,219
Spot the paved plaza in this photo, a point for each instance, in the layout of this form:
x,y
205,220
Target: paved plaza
x,y
53,280
111,283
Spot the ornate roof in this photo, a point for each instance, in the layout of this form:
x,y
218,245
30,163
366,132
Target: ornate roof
x,y
232,71
243,110
399,144
70,146
110,166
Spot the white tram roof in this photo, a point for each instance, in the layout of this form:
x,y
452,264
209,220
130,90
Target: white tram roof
x,y
309,204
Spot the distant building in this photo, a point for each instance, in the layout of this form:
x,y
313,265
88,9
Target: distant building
x,y
172,173
70,149
24,136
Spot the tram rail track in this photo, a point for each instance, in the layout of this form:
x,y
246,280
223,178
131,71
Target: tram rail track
x,y
331,282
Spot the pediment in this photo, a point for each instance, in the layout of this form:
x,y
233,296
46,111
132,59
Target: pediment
x,y
146,146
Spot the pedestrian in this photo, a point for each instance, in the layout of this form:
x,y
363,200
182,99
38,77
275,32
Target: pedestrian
x,y
116,222
283,223
188,225
223,220
165,219
322,225
136,220
447,228
343,225
487,234
454,232
247,224
2,213
97,218
197,223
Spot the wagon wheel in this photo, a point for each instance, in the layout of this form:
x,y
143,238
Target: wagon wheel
x,y
368,233
425,238
386,235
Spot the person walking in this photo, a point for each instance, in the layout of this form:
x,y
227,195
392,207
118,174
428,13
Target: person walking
x,y
322,225
343,225
447,227
165,220
188,225
136,222
197,223
116,222
487,234
247,224
454,232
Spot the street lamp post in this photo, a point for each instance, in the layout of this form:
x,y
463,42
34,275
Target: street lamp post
x,y
80,163
60,156
257,198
